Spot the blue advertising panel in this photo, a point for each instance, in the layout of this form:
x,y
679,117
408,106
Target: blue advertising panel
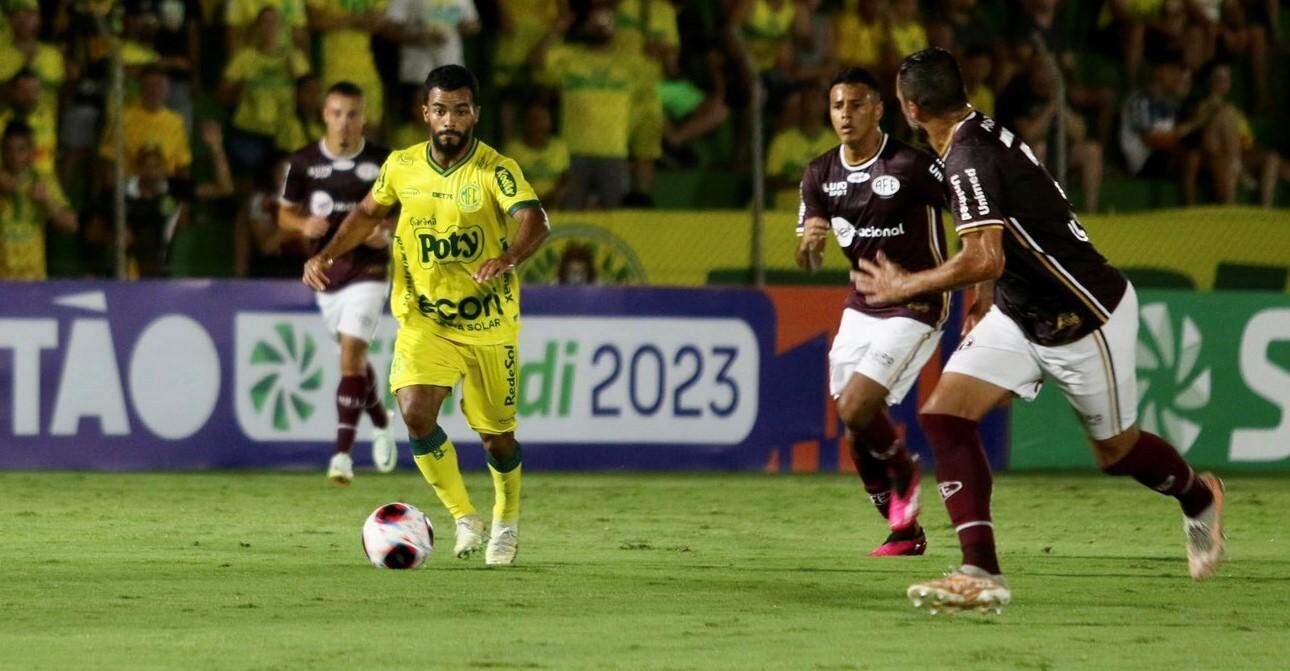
x,y
237,374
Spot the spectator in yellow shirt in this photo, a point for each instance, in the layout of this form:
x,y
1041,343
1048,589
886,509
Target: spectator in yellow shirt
x,y
240,17
306,125
28,199
346,28
599,86
25,106
150,122
977,66
906,29
803,137
768,28
543,159
523,25
260,81
861,36
22,51
648,29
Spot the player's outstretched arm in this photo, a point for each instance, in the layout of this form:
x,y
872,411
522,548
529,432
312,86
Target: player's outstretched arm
x,y
534,228
356,228
886,283
810,249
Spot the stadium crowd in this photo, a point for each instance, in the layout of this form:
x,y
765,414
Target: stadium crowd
x,y
593,98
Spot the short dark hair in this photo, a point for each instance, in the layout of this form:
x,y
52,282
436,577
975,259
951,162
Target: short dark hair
x,y
451,78
347,89
15,129
931,78
855,76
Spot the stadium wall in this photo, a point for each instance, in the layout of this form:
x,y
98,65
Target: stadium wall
x,y
234,374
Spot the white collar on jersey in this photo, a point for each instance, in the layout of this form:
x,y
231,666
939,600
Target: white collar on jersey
x,y
842,156
322,146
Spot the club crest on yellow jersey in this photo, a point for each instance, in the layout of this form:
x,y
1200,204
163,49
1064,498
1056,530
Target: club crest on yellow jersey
x,y
470,198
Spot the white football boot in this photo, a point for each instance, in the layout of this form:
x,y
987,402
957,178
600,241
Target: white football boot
x,y
471,536
968,588
503,546
341,469
385,452
1205,533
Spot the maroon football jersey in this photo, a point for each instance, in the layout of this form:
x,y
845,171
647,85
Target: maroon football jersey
x,y
331,186
1055,284
892,204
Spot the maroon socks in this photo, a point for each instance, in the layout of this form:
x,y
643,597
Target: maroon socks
x,y
372,402
1156,464
351,394
881,459
963,478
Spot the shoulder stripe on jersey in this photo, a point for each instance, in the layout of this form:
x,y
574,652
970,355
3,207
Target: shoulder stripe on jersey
x,y
934,235
1085,296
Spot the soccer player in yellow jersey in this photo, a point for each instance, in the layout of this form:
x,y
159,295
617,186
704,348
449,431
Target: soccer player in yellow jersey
x,y
467,219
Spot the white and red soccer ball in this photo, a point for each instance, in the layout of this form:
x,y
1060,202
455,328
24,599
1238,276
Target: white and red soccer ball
x,y
397,535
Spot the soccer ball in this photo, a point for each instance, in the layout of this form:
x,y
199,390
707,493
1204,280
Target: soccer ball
x,y
397,535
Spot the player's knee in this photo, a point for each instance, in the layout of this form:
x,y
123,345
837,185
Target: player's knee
x,y
856,407
499,446
1110,451
420,414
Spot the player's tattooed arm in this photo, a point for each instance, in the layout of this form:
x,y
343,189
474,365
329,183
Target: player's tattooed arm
x,y
810,250
357,227
534,227
886,283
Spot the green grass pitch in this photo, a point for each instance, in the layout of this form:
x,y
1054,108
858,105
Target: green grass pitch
x,y
617,571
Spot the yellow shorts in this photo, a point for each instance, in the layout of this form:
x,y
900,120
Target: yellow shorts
x,y
491,373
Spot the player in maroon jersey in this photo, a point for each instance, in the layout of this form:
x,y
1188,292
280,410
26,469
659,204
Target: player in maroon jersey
x,y
324,181
878,197
1048,304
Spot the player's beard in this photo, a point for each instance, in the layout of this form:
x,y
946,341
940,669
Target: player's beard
x,y
459,141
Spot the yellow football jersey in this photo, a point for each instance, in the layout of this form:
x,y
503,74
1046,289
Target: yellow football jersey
x,y
451,221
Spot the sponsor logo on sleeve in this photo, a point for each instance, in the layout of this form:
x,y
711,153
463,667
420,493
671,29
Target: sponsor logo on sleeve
x,y
506,182
982,207
937,171
960,196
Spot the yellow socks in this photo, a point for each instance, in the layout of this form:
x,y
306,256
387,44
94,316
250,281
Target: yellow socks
x,y
437,459
506,488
